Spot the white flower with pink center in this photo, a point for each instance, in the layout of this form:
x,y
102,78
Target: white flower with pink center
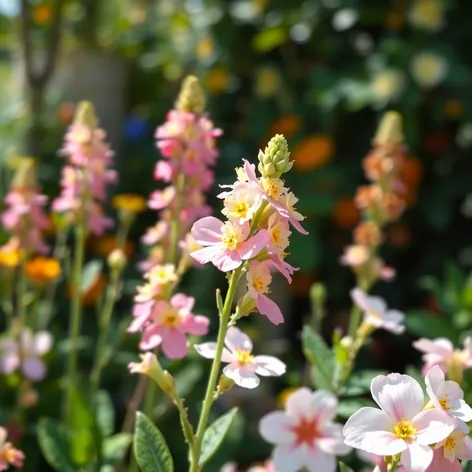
x,y
401,426
376,313
441,352
304,434
243,367
447,395
241,204
258,281
447,452
228,244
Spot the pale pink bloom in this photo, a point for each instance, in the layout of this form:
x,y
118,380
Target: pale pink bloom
x,y
447,395
26,354
162,198
355,256
447,452
155,233
304,434
167,324
401,426
241,204
226,244
441,352
8,454
274,191
229,467
267,467
242,367
279,232
376,313
258,280
164,171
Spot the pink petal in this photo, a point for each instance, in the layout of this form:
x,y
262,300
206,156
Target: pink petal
x,y
269,308
137,324
298,404
197,325
269,366
251,248
250,171
468,450
324,404
235,339
400,396
370,430
151,337
417,457
242,376
432,426
207,231
296,224
208,350
275,428
34,368
332,441
226,261
207,254
440,346
181,301
442,464
175,344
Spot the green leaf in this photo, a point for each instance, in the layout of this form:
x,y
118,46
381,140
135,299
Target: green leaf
x,y
187,378
105,413
359,382
344,468
215,434
90,273
269,39
150,447
54,441
347,408
424,324
113,450
323,359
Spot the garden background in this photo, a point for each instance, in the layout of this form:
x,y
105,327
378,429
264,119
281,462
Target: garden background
x,y
321,72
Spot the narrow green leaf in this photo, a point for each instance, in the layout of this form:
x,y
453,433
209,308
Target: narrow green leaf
x,y
215,434
359,382
105,413
424,324
344,468
150,447
54,441
90,273
113,450
347,408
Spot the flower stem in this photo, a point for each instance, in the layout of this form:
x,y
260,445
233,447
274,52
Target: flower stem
x,y
75,316
175,223
215,368
392,466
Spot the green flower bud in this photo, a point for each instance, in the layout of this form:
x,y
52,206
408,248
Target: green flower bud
x,y
25,175
389,130
117,260
191,97
85,115
150,366
225,384
274,161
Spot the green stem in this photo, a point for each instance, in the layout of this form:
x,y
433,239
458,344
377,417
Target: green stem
x,y
215,369
75,316
354,321
392,466
175,223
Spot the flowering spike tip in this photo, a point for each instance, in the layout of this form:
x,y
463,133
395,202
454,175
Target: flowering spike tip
x,y
191,98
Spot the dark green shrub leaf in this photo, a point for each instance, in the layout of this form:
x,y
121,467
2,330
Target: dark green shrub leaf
x,y
113,450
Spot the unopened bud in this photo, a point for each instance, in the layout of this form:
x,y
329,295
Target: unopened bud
x,y
117,260
347,343
25,175
318,293
191,98
389,130
275,160
85,115
150,366
246,305
225,384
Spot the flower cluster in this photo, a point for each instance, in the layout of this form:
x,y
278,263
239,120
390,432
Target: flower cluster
x,y
24,217
429,436
187,142
9,455
380,202
87,173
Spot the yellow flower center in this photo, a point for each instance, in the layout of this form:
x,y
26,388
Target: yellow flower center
x,y
444,402
272,187
258,284
171,319
276,236
241,209
404,429
243,357
230,241
450,443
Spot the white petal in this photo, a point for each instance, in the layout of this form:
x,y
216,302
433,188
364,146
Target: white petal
x,y
440,346
298,404
275,428
288,459
432,426
208,350
324,404
42,343
417,457
400,396
468,449
242,376
433,380
269,366
370,430
236,339
463,412
317,461
332,441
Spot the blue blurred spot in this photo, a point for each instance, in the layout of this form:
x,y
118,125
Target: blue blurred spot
x,y
136,128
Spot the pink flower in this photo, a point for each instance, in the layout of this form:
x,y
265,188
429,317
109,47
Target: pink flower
x,y
268,466
242,367
167,324
304,434
447,452
441,352
355,256
241,204
258,281
376,313
26,354
162,198
227,244
8,454
447,395
401,426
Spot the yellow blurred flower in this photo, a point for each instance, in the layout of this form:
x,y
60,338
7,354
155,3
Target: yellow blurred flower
x,y
453,108
42,270
313,152
9,258
267,82
388,84
205,48
218,80
129,203
429,69
284,394
14,162
427,14
42,14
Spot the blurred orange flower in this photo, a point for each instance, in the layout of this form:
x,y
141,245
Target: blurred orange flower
x,y
105,244
42,270
410,171
345,214
453,108
399,236
129,203
288,125
218,80
42,14
313,152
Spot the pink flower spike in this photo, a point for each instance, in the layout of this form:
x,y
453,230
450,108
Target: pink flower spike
x,y
304,434
162,198
401,425
447,395
258,281
242,367
226,244
376,313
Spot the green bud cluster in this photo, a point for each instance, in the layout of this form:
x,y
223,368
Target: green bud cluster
x,y
275,160
191,98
